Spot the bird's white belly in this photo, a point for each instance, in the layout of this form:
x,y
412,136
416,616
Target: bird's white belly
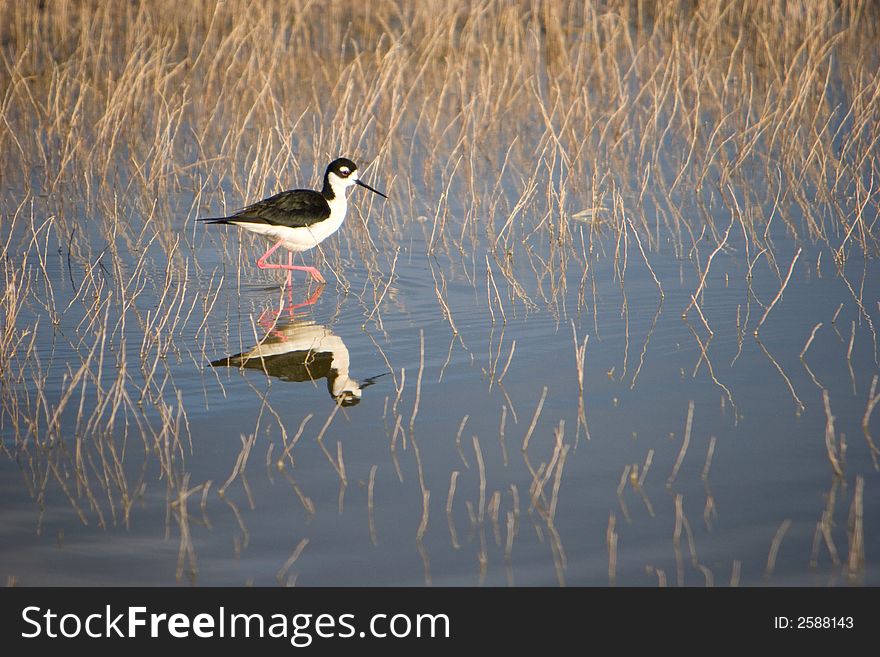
x,y
306,237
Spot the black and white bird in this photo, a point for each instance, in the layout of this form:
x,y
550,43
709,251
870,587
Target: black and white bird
x,y
300,219
303,351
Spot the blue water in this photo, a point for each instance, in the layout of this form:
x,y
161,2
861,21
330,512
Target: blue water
x,y
643,366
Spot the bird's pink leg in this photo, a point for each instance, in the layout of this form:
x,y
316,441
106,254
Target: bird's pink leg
x,y
262,264
308,302
269,318
290,278
314,273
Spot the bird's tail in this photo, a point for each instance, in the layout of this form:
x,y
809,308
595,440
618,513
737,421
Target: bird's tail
x,y
213,220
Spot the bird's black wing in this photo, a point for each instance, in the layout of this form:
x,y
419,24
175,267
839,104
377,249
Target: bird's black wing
x,y
297,208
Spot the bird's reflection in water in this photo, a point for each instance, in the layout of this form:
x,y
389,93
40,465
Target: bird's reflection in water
x,y
301,350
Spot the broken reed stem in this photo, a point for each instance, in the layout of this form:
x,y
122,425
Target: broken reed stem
x,y
649,458
774,548
481,469
458,441
810,339
423,525
302,425
709,453
528,436
415,411
450,497
371,505
684,445
611,541
855,531
507,364
706,270
645,258
873,400
385,291
830,440
781,290
297,552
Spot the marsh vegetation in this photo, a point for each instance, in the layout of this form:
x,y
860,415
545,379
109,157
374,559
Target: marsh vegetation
x,y
617,318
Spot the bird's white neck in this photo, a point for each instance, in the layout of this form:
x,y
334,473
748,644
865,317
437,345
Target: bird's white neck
x,y
336,186
338,207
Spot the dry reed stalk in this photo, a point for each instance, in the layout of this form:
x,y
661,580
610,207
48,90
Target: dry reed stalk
x,y
528,436
706,273
611,538
580,352
774,548
873,400
855,563
423,524
778,294
453,479
415,411
684,445
286,566
371,506
810,340
710,452
481,469
831,446
501,440
778,367
289,446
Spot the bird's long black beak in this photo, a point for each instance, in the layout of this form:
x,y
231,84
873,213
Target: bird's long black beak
x,y
370,381
375,191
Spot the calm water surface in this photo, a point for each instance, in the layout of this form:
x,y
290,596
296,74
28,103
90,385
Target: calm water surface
x,y
753,475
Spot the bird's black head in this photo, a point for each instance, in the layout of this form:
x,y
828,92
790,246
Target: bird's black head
x,y
341,174
343,167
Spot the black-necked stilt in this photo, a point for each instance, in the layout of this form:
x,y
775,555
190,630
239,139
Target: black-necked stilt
x,y
300,219
303,351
